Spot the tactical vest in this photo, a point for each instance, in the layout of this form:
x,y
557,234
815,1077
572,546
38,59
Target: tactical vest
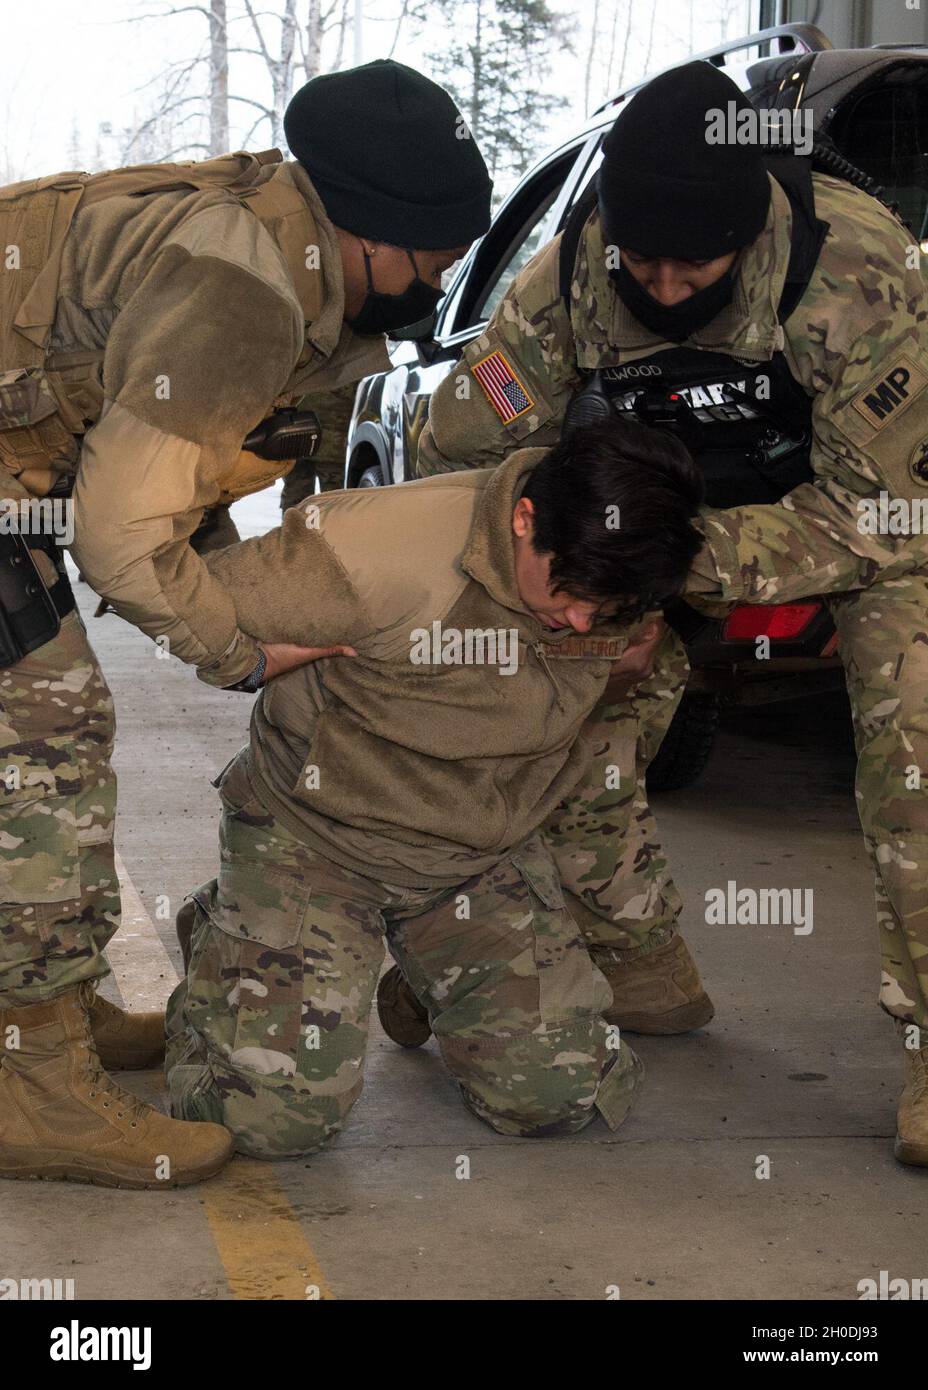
x,y
747,425
48,400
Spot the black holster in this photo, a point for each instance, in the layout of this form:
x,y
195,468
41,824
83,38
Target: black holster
x,y
30,610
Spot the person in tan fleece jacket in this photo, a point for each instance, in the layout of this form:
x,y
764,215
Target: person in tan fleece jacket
x,y
397,793
150,319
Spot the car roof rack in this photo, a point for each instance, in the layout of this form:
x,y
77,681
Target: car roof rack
x,y
807,37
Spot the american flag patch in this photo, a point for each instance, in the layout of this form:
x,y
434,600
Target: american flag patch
x,y
503,388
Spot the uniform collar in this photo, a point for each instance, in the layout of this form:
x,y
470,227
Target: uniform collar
x,y
488,556
607,334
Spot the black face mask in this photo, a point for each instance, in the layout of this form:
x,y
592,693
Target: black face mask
x,y
678,321
382,313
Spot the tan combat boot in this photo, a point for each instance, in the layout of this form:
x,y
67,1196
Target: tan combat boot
x,y
126,1042
912,1116
659,992
62,1117
402,1017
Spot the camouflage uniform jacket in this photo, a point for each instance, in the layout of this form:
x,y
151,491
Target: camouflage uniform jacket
x,y
856,342
413,762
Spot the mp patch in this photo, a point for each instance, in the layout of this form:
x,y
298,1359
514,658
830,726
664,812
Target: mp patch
x,y
502,387
888,395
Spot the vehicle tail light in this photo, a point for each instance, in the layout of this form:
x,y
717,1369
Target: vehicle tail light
x,y
780,622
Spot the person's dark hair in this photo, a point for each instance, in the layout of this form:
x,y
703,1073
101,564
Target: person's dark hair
x,y
642,551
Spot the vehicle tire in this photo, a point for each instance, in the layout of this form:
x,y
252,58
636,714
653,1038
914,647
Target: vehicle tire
x,y
688,744
371,477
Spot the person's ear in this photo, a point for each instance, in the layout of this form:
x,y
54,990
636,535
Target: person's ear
x,y
523,518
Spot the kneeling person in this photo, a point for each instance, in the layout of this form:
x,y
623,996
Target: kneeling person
x,y
395,794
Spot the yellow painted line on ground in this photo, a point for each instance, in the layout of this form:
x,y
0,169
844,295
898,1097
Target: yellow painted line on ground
x,y
259,1239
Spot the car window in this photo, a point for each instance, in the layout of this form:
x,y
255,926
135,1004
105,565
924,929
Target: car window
x,y
884,131
532,239
520,228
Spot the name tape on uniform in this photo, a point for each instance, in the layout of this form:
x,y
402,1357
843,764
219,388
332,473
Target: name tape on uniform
x,y
579,648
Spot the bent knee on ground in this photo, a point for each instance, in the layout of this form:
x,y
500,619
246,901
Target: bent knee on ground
x,y
533,1086
269,1117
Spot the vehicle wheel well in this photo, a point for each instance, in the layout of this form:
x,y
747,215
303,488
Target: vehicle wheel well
x,y
364,456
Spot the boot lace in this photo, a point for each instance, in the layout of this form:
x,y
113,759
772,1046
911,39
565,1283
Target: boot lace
x,y
123,1104
920,1074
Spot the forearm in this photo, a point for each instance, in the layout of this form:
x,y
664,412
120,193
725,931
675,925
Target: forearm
x,y
808,543
140,560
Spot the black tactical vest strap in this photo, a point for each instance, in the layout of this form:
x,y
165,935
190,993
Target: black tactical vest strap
x,y
794,175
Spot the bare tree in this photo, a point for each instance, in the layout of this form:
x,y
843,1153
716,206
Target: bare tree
x,y
218,77
312,47
625,40
646,65
322,20
588,72
279,66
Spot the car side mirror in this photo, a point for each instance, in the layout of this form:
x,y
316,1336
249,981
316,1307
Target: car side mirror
x,y
421,330
429,350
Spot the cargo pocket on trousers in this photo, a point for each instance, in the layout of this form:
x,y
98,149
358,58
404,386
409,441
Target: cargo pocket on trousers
x,y
570,987
254,967
39,832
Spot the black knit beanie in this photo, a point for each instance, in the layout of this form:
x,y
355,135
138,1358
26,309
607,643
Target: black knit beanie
x,y
663,188
390,156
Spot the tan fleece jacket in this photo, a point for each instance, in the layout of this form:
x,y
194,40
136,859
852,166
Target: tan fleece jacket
x,y
420,771
204,328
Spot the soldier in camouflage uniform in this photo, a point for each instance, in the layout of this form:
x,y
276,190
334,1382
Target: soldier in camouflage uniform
x,y
855,343
150,319
396,795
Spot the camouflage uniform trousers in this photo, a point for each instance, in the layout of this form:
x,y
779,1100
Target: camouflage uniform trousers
x,y
883,633
59,894
604,839
267,1033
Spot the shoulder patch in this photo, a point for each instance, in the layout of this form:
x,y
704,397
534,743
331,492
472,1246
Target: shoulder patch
x,y
918,463
502,387
885,397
